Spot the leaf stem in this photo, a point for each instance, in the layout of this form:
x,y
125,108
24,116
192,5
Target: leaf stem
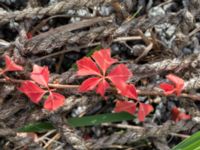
x,y
144,92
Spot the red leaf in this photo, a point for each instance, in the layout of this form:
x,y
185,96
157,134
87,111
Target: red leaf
x,y
183,116
54,101
129,91
119,75
179,83
144,110
103,59
29,35
102,86
125,106
168,88
89,84
34,92
11,66
87,67
177,115
40,75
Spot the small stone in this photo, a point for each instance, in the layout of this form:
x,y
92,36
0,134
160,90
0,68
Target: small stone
x,y
45,28
105,10
170,31
75,19
70,12
83,12
156,11
115,48
196,119
187,51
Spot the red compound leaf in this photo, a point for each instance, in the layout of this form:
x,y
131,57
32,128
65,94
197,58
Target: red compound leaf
x,y
40,75
177,115
129,91
144,110
11,66
177,87
103,59
54,101
125,106
87,67
178,82
119,74
102,86
34,92
29,35
168,88
89,84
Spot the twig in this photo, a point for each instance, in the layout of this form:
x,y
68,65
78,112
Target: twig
x,y
55,137
119,39
45,135
145,52
148,92
67,133
43,22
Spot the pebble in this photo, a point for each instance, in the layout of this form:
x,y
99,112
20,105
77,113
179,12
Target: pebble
x,y
156,11
196,119
105,10
171,30
83,12
70,12
187,51
76,112
80,12
115,48
45,28
166,32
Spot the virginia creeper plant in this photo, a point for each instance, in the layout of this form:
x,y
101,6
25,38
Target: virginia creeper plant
x,y
103,72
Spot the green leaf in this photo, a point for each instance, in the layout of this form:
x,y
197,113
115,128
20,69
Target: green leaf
x,y
191,143
39,127
79,122
74,66
93,50
98,119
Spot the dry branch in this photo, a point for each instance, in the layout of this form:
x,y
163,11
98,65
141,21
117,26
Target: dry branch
x,y
60,7
175,64
68,133
131,135
48,41
193,83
